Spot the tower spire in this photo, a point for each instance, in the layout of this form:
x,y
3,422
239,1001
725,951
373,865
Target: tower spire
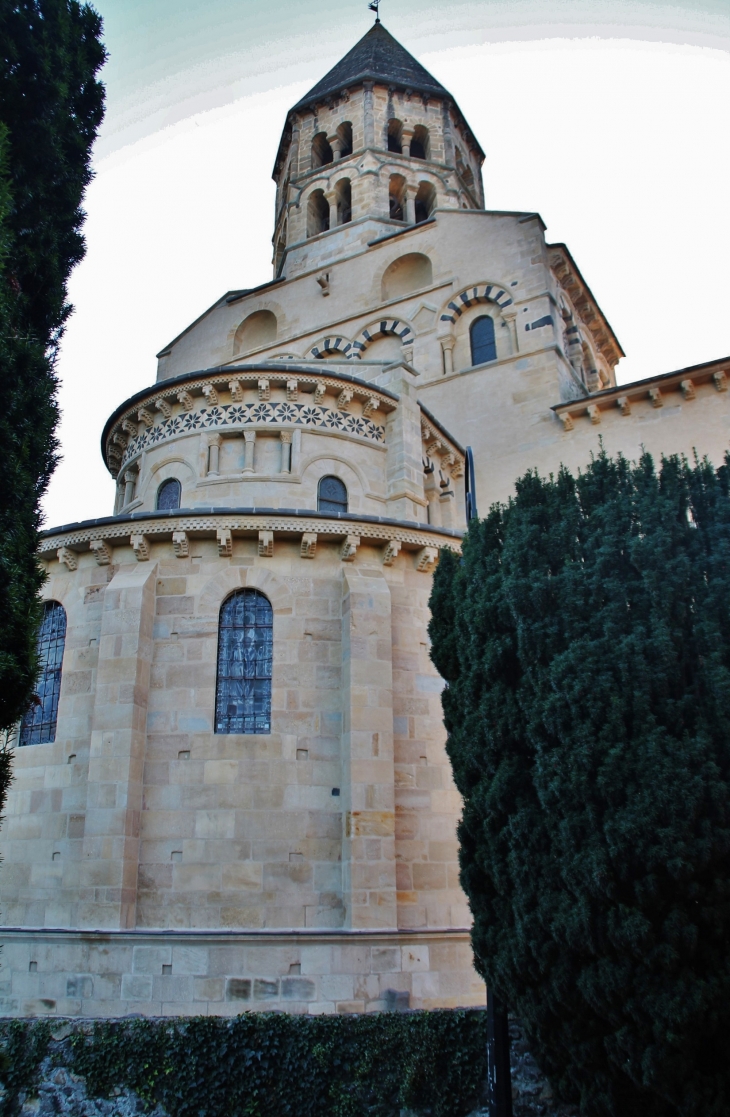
x,y
374,6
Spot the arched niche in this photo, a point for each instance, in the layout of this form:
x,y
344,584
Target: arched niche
x,y
257,330
407,273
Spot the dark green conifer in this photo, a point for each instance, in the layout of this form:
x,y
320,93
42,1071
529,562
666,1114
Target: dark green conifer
x,y
585,641
51,106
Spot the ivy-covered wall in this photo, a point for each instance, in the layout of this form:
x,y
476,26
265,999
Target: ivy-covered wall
x,y
256,1065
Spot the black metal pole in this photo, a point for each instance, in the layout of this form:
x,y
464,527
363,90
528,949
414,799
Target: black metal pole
x,y
499,1079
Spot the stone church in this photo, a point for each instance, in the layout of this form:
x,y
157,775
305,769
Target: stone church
x,y
233,791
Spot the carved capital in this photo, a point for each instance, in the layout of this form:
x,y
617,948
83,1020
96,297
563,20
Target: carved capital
x,y
141,547
180,544
348,550
285,436
101,551
309,544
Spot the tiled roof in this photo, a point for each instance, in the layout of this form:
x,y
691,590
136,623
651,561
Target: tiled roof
x,y
377,57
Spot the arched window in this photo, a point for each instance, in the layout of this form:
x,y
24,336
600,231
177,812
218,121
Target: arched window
x,y
395,142
345,134
245,651
168,495
331,495
39,724
321,150
344,201
256,331
419,143
396,192
318,214
425,201
481,335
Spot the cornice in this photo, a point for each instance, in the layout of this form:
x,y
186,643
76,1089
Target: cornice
x,y
568,276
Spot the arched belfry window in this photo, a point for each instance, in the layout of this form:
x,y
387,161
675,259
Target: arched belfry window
x,y
168,495
331,495
483,345
39,724
245,651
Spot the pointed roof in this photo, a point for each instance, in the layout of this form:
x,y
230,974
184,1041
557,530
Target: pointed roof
x,y
377,57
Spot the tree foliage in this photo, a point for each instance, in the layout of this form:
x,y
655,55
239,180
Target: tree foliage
x,y
51,106
585,641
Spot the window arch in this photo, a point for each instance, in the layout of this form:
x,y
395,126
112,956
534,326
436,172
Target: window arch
x,y
406,274
318,213
343,191
38,727
321,150
396,196
245,654
331,495
395,133
168,495
483,344
344,132
425,201
420,143
256,331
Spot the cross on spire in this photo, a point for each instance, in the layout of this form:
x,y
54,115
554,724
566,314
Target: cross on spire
x,y
374,6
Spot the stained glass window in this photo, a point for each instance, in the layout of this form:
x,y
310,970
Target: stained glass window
x,y
483,346
331,495
39,724
245,649
168,494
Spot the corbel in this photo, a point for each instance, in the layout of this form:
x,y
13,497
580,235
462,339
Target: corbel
x,y
309,544
210,394
656,397
348,550
146,417
119,440
266,544
720,380
594,413
292,390
457,469
264,391
324,280
426,558
344,399
434,447
141,547
319,392
180,544
236,391
67,558
225,542
566,419
624,405
391,552
163,406
372,403
185,400
101,551
688,389
130,428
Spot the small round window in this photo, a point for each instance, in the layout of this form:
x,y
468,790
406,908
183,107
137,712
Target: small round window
x,y
168,495
331,495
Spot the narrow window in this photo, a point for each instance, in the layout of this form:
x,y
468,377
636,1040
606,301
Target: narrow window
x,y
321,150
395,142
425,201
396,193
419,143
331,495
245,650
39,724
483,346
318,214
345,134
168,495
344,201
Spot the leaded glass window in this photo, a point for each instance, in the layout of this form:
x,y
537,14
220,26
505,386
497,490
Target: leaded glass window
x,y
168,494
39,724
331,495
245,649
483,345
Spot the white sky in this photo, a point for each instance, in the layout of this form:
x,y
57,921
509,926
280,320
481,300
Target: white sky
x,y
621,145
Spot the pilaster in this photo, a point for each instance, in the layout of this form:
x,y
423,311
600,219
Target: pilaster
x,y
117,751
367,750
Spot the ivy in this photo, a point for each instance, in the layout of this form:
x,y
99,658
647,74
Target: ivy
x,y
266,1064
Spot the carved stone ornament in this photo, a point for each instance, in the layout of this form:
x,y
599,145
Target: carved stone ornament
x,y
348,550
236,391
180,544
67,558
309,544
211,395
266,544
102,551
426,558
264,391
391,552
141,547
146,417
225,542
186,401
163,406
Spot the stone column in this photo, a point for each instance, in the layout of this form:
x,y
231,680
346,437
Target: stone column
x,y
214,448
409,197
447,345
368,115
249,438
369,884
130,480
108,870
510,317
405,139
285,437
331,198
337,144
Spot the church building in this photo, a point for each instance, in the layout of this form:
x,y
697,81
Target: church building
x,y
233,792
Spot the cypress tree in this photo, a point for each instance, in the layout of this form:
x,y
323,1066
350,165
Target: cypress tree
x,y
51,106
584,637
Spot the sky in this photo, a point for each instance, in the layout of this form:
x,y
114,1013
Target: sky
x,y
609,119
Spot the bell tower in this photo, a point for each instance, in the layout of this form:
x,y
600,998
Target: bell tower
x,y
378,144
